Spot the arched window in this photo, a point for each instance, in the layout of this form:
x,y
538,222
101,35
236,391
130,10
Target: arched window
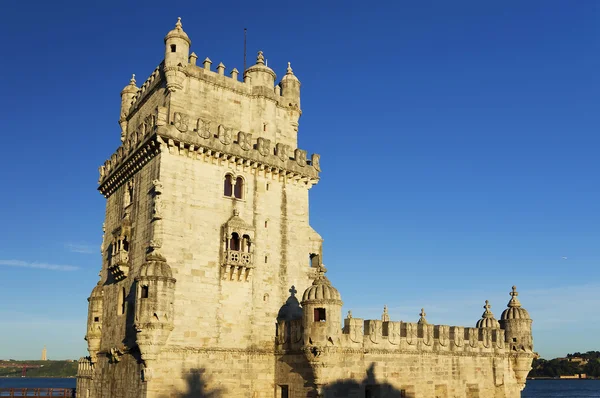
x,y
246,244
239,188
228,185
125,244
234,242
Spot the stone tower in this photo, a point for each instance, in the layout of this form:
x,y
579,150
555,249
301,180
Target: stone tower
x,y
206,228
207,242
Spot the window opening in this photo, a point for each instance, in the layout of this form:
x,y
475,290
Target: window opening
x,y
267,186
285,391
96,319
246,244
266,223
239,188
228,185
125,244
313,260
266,259
173,48
320,315
144,292
123,300
234,242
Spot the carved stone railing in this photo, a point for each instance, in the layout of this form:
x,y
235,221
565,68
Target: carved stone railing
x,y
85,368
237,266
118,264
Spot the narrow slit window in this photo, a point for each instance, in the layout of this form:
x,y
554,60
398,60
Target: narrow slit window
x,y
173,48
123,301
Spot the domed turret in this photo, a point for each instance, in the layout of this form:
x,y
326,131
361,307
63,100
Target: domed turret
x,y
177,52
94,322
127,95
487,319
290,88
262,78
516,322
514,310
155,289
322,311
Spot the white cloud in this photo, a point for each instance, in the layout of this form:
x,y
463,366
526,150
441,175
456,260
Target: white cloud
x,y
26,264
79,248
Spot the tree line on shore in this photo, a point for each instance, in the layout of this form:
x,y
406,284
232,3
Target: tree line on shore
x,y
574,364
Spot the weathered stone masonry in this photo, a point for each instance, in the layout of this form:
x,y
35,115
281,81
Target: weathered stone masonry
x,y
207,243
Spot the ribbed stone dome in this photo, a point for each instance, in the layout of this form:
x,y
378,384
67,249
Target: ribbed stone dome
x,y
321,289
289,76
487,319
514,310
156,265
97,291
178,33
261,67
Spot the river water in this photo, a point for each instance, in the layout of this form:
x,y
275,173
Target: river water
x,y
534,389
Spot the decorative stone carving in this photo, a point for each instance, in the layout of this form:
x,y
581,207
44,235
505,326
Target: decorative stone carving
x,y
411,333
300,156
316,161
161,116
394,333
459,336
444,337
204,128
224,135
264,146
282,151
427,334
156,200
244,140
181,121
374,331
473,337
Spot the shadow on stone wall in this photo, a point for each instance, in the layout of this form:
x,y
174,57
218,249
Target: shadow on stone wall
x,y
196,386
369,387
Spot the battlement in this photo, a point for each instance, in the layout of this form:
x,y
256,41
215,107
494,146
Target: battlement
x,y
393,336
205,140
369,334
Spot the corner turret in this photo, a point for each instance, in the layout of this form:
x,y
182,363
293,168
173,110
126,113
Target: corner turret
x,y
516,322
127,95
177,53
322,311
261,77
290,88
155,289
94,322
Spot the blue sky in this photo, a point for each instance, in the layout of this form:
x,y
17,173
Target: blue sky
x,y
459,145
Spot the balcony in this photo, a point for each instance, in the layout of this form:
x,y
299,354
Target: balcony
x,y
237,266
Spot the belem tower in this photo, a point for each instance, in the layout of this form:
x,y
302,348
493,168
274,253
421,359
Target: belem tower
x,y
212,281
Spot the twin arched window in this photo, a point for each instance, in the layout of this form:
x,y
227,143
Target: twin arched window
x,y
233,187
237,244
